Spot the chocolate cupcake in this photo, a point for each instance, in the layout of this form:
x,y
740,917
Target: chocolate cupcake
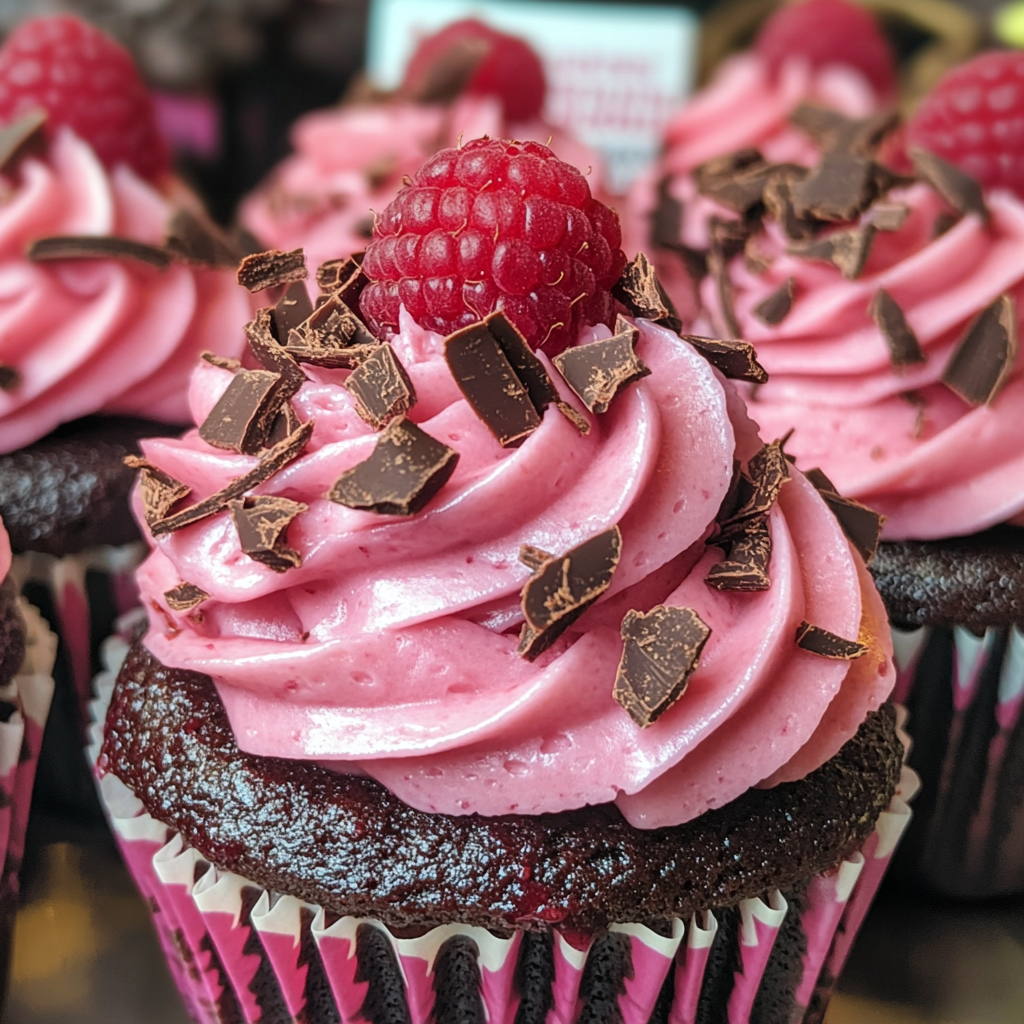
x,y
114,282
495,667
884,306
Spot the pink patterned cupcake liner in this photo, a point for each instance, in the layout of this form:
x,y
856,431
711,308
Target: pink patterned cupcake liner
x,y
241,953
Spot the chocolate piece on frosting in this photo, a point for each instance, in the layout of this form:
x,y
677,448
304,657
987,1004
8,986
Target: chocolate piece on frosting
x,y
640,291
292,309
331,336
862,525
272,461
960,190
10,378
775,308
749,551
735,181
160,491
828,645
198,240
984,357
758,488
733,359
502,379
344,278
840,188
533,557
598,371
847,249
406,469
381,388
243,416
184,597
819,480
15,136
223,362
778,201
271,355
262,523
286,422
888,216
904,348
273,267
564,587
835,132
662,650
667,218
96,247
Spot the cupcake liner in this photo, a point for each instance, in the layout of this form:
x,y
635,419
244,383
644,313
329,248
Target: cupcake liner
x,y
964,694
239,952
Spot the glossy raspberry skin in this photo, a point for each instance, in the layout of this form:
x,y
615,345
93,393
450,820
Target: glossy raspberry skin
x,y
829,32
495,225
974,118
85,80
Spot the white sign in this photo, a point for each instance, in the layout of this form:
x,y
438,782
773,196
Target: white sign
x,y
616,72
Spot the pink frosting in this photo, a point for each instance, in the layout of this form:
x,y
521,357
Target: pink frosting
x,y
111,336
392,649
934,465
5,552
350,162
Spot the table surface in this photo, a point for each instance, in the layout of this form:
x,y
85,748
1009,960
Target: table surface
x,y
84,951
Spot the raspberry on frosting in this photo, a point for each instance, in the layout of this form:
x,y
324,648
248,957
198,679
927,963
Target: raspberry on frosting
x,y
84,80
495,225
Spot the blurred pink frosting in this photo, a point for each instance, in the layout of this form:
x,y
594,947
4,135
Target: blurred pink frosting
x,y
391,651
5,552
100,336
350,162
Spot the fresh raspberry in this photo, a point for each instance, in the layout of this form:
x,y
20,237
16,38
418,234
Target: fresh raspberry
x,y
974,118
829,32
495,225
482,61
85,80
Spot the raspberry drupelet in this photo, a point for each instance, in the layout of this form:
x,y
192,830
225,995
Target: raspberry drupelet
x,y
495,225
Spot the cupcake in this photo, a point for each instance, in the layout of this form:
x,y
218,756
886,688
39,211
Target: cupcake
x,y
467,80
885,309
111,283
451,710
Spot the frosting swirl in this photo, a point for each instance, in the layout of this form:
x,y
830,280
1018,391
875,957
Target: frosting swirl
x,y
391,650
5,552
100,335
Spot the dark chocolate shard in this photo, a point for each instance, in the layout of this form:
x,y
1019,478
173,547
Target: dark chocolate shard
x,y
504,382
984,357
944,220
10,378
533,557
904,348
840,188
888,216
262,523
778,201
775,308
662,650
184,597
286,422
820,481
749,552
160,491
719,272
598,371
223,362
331,336
271,355
271,268
733,359
564,587
667,218
862,525
344,278
960,190
640,291
728,236
243,416
821,642
577,419
835,132
759,487
381,388
15,136
735,181
407,468
195,239
96,247
292,309
847,249
272,461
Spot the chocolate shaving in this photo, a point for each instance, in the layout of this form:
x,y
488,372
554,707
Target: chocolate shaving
x,y
262,523
564,587
344,278
504,382
835,132
819,480
577,419
735,181
840,188
848,249
749,551
160,491
292,309
198,240
862,525
287,422
265,347
640,291
406,469
96,247
598,371
723,285
888,216
15,136
778,201
728,236
381,388
733,359
759,487
775,308
224,362
272,461
821,642
960,190
662,650
273,267
184,597
243,416
984,357
10,378
331,336
904,348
